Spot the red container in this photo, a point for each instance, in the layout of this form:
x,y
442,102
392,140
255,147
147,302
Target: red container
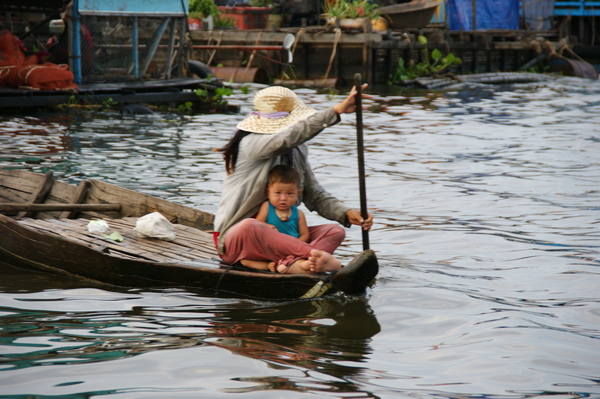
x,y
247,17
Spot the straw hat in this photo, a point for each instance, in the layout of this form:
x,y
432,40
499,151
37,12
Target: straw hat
x,y
276,109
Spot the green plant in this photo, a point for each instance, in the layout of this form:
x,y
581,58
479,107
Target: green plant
x,y
218,97
202,93
109,103
186,107
424,68
261,3
223,22
350,9
539,69
203,7
221,93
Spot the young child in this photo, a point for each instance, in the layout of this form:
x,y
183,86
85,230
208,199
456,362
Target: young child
x,y
280,213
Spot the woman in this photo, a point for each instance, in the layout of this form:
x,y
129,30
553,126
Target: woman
x,y
276,134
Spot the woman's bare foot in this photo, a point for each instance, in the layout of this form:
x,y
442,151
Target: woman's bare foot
x,y
323,261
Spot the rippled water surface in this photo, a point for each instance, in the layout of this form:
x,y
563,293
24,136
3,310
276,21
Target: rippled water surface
x,y
487,229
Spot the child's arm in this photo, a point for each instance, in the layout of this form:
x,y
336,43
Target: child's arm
x,y
263,212
302,227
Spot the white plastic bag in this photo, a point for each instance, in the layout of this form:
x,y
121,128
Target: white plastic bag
x,y
154,225
97,226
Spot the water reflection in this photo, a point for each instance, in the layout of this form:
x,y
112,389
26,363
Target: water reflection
x,y
486,227
330,337
78,326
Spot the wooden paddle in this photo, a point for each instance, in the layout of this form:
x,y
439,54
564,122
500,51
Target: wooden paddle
x,y
361,158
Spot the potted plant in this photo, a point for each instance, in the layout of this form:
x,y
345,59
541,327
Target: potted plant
x,y
201,13
350,13
252,16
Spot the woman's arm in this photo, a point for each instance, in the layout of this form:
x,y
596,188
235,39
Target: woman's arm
x,y
259,147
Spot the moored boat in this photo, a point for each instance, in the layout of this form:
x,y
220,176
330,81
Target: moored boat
x,y
44,226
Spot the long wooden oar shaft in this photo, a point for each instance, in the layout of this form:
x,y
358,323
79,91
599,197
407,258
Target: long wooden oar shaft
x,y
361,158
12,207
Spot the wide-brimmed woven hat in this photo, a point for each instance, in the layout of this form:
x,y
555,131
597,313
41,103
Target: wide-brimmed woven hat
x,y
276,109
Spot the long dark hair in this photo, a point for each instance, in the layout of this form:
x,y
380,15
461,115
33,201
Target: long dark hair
x,y
231,149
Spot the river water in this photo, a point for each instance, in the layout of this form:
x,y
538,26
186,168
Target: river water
x,y
487,229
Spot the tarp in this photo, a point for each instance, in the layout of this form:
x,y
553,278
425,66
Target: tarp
x,y
538,14
16,70
490,14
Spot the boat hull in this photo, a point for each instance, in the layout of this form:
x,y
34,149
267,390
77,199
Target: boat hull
x,y
66,247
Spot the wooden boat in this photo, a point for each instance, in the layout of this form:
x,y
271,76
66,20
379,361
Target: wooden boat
x,y
43,225
415,14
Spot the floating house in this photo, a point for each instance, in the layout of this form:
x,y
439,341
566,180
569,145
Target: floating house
x,y
487,35
117,51
132,51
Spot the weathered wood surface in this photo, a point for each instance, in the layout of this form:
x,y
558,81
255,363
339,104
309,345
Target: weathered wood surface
x,y
17,186
138,204
190,244
69,208
78,197
39,194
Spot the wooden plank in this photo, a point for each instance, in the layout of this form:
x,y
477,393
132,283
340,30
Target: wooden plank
x,y
80,235
39,195
78,197
32,208
187,237
137,204
150,249
18,185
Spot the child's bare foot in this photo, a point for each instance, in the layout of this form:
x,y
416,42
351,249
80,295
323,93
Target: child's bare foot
x,y
281,268
272,266
301,266
259,264
323,261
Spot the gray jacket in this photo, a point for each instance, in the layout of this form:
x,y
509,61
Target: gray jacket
x,y
245,189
